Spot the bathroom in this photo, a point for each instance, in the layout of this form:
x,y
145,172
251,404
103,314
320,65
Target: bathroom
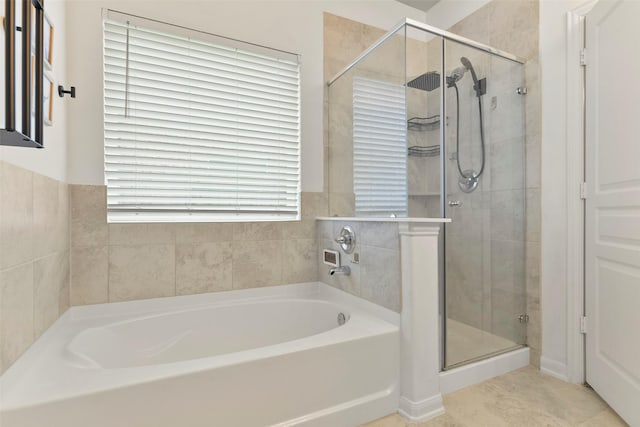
x,y
468,294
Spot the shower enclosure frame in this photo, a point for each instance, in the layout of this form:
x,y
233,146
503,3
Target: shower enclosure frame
x,y
445,36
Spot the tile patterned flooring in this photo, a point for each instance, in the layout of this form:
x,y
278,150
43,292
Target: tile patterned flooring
x,y
522,398
465,342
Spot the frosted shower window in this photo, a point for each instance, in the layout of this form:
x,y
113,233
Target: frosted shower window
x,y
196,130
379,148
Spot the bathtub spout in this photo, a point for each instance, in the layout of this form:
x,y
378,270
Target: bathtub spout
x,y
340,270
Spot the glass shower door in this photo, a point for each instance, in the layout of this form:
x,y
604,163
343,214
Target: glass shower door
x,y
485,295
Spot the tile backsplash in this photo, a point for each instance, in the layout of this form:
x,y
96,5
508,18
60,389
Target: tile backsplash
x,y
377,276
120,262
34,257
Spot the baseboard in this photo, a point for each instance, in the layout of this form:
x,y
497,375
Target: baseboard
x,y
475,373
421,411
554,368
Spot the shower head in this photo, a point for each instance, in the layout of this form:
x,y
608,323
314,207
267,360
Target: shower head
x,y
427,81
469,66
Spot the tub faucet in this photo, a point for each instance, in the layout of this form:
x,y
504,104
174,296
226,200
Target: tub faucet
x,y
340,270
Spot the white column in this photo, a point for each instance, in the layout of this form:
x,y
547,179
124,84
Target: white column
x,y
420,397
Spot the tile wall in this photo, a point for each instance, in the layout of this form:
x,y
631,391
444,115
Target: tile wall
x,y
34,257
121,262
376,277
344,40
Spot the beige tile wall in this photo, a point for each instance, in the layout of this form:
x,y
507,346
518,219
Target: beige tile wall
x,y
344,39
120,262
34,258
377,276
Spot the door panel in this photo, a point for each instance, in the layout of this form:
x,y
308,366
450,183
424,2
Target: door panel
x,y
613,209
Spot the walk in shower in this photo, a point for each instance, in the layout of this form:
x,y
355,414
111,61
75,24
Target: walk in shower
x,y
425,123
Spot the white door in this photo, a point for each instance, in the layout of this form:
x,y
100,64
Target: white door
x,y
613,206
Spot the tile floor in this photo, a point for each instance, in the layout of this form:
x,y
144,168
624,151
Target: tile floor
x,y
465,342
523,398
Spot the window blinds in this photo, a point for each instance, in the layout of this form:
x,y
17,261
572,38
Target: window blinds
x,y
380,148
196,131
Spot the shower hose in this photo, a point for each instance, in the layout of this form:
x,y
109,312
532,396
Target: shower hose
x,y
462,174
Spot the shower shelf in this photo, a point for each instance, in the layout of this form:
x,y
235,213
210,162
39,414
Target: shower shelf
x,y
424,123
419,151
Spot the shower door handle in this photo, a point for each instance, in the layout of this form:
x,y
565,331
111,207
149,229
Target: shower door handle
x,y
455,203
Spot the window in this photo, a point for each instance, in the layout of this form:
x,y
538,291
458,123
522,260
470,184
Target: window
x,y
379,148
198,128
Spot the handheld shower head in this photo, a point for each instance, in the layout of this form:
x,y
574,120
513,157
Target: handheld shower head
x,y
469,66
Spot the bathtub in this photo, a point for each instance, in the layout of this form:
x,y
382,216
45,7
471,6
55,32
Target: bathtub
x,y
295,355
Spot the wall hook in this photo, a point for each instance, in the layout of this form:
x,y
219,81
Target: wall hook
x,y
71,92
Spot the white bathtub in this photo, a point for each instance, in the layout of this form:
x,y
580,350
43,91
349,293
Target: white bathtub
x,y
259,357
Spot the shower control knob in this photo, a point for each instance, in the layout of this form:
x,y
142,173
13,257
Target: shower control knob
x,y
455,203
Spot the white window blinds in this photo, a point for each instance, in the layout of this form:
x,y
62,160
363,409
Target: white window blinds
x,y
198,131
379,148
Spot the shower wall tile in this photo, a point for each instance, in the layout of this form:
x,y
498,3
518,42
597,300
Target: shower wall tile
x,y
34,257
506,165
344,38
532,100
507,215
533,215
475,26
342,204
532,155
533,274
464,266
534,335
506,307
343,41
508,266
313,205
513,26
